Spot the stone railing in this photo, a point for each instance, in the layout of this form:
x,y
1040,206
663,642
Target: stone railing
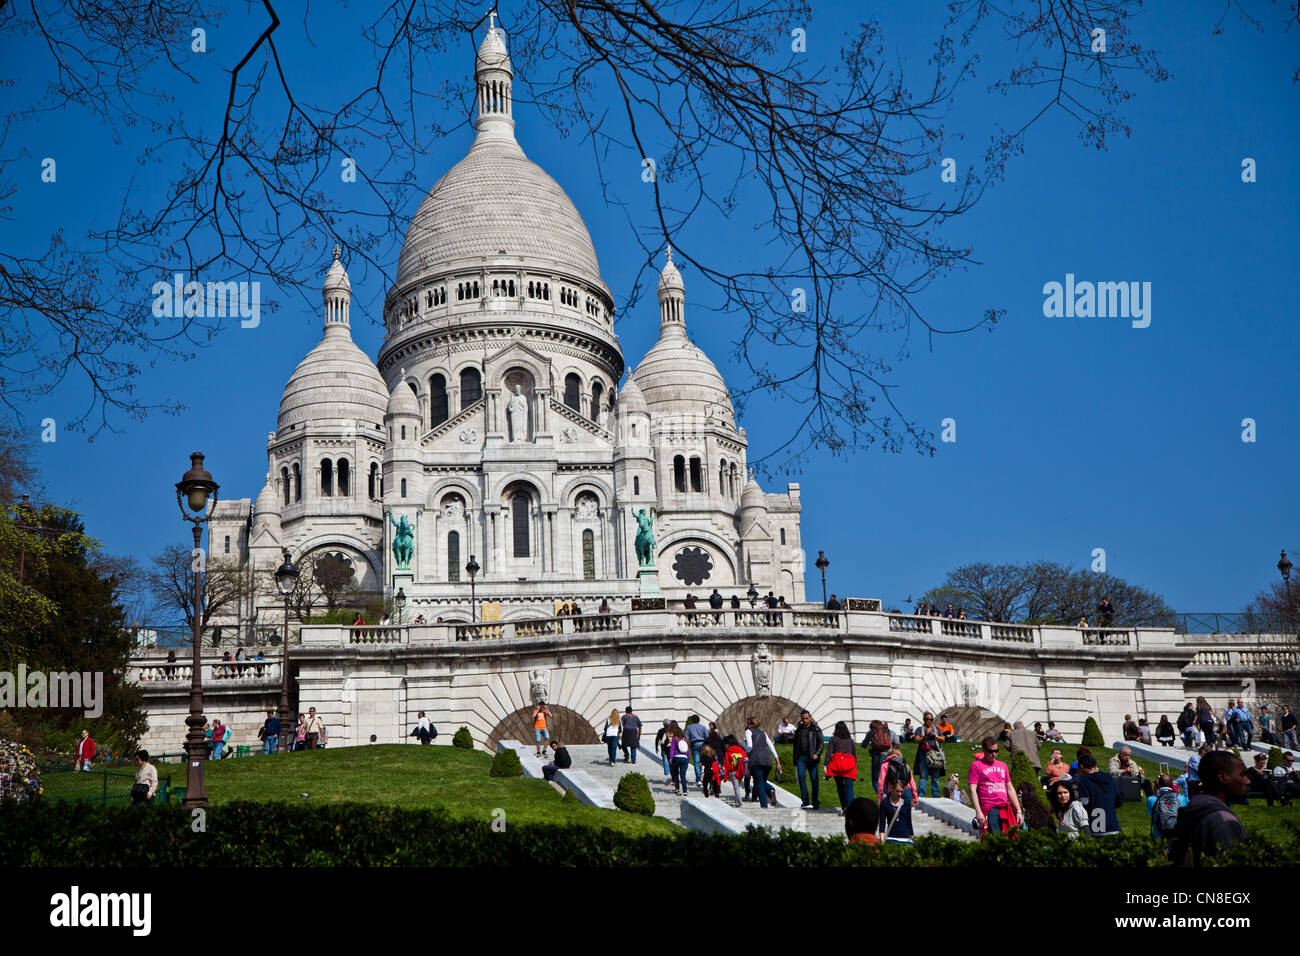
x,y
951,628
382,634
776,617
1259,657
1012,632
213,669
1095,636
911,624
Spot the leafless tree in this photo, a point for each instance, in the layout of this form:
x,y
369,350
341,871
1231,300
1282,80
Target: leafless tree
x,y
824,163
171,580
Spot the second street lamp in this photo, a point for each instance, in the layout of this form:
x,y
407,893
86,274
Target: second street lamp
x,y
1284,565
286,579
822,564
197,491
472,569
399,604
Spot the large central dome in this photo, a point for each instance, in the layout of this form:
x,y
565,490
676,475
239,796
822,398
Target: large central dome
x,y
497,203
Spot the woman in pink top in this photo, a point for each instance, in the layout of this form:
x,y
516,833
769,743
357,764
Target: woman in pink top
x,y
997,808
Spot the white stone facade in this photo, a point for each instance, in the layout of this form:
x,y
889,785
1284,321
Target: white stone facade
x,y
499,292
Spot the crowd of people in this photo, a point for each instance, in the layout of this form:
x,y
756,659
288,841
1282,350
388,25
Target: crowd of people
x,y
925,609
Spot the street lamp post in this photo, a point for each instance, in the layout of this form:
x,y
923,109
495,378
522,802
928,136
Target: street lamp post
x,y
399,603
1284,565
752,594
822,563
197,491
472,569
286,577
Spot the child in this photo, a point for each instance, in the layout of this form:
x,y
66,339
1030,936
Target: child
x,y
709,774
733,766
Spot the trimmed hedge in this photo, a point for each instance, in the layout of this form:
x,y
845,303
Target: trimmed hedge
x,y
633,795
1022,771
1092,734
463,740
285,834
506,764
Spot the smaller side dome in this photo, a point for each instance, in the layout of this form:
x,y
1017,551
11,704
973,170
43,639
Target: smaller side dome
x,y
752,496
630,398
402,401
267,506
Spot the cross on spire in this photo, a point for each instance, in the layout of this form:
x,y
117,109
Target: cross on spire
x,y
492,19
336,252
669,247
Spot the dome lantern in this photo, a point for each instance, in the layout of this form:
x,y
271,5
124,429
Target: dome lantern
x,y
672,298
338,295
493,79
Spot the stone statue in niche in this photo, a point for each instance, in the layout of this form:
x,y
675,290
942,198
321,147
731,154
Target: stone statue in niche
x,y
517,416
762,663
539,685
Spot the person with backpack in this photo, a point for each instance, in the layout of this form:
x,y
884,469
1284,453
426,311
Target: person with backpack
x,y
895,769
1186,724
879,738
733,766
842,763
710,773
1163,809
997,806
679,757
696,733
662,737
270,733
1206,825
808,745
762,758
630,735
930,762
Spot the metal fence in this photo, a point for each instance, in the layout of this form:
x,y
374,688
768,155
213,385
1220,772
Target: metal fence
x,y
63,784
225,637
1233,622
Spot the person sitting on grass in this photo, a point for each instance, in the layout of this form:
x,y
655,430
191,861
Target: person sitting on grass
x,y
1071,815
860,821
1056,767
1099,792
1123,765
1262,783
560,760
1036,815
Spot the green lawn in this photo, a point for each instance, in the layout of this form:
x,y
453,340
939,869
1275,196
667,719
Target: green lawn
x,y
447,777
1274,821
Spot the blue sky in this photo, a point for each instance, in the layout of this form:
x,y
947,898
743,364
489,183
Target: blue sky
x,y
1072,434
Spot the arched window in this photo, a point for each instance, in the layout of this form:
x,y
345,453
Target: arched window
x,y
697,478
345,478
546,291
372,485
471,387
227,544
476,295
679,473
636,484
572,391
783,535
735,481
403,487
437,400
326,478
597,391
403,433
588,555
722,477
519,518
284,482
453,556
511,283
297,482
496,286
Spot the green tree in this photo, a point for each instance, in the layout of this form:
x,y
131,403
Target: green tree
x,y
506,764
1092,734
463,739
633,795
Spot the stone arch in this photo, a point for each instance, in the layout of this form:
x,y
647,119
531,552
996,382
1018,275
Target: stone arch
x,y
452,485
768,710
566,725
972,723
